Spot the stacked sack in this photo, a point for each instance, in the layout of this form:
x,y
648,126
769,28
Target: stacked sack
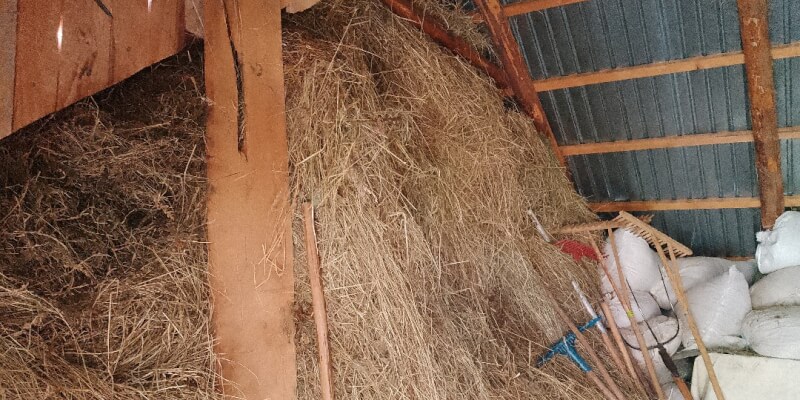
x,y
717,291
772,328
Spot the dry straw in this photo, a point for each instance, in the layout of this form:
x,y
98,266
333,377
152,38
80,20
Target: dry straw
x,y
421,179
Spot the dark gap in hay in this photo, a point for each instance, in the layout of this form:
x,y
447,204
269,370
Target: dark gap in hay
x,y
102,257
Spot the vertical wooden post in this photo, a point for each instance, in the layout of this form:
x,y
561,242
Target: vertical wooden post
x,y
756,47
516,71
249,215
8,51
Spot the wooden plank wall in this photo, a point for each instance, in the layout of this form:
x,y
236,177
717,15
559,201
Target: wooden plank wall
x,y
96,51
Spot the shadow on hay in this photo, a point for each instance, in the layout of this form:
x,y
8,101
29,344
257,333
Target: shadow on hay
x,y
102,257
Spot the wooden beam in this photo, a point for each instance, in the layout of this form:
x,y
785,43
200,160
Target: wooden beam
x,y
754,26
698,139
519,78
659,68
249,216
527,6
406,10
685,204
8,49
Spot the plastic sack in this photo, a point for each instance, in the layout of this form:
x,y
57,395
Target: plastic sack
x,y
639,262
774,332
718,307
779,247
671,391
647,308
696,270
779,288
668,331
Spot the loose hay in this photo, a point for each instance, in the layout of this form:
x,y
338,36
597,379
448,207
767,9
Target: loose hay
x,y
102,258
421,180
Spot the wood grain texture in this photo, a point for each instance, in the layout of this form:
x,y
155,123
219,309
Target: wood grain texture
x,y
698,139
8,40
528,6
686,204
143,37
37,61
249,216
516,70
659,68
754,26
85,60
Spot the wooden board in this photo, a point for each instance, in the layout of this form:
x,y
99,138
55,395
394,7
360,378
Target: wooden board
x,y
754,27
685,204
249,216
85,59
658,68
37,61
8,33
698,139
145,36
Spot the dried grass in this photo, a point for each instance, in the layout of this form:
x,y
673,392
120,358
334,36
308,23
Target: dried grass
x,y
103,289
421,180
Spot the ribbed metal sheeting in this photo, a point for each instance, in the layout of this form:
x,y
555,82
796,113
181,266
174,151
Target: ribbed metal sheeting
x,y
601,34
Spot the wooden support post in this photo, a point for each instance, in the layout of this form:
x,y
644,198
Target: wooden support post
x,y
318,302
8,51
754,26
405,9
518,77
249,216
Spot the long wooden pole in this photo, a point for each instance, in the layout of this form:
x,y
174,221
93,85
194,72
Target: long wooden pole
x,y
677,286
318,304
519,78
624,296
612,325
687,204
434,29
598,364
754,27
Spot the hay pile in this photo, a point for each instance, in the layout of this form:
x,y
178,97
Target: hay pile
x,y
102,258
421,180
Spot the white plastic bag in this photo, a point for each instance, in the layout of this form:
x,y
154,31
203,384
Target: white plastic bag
x,y
668,332
774,332
780,247
639,262
671,391
696,270
647,308
718,307
779,288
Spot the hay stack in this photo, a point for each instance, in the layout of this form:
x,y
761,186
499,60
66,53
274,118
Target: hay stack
x,y
102,258
421,179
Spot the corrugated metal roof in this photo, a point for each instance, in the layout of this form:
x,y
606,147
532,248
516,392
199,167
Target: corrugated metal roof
x,y
601,34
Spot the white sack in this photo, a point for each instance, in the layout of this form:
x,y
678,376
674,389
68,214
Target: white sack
x,y
748,378
696,270
774,332
671,391
667,331
639,262
647,308
780,247
718,307
779,288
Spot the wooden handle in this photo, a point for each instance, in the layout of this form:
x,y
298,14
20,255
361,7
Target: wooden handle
x,y
612,325
318,303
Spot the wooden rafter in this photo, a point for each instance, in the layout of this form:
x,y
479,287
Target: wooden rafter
x,y
519,78
405,9
685,204
754,26
659,68
699,139
528,6
249,216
